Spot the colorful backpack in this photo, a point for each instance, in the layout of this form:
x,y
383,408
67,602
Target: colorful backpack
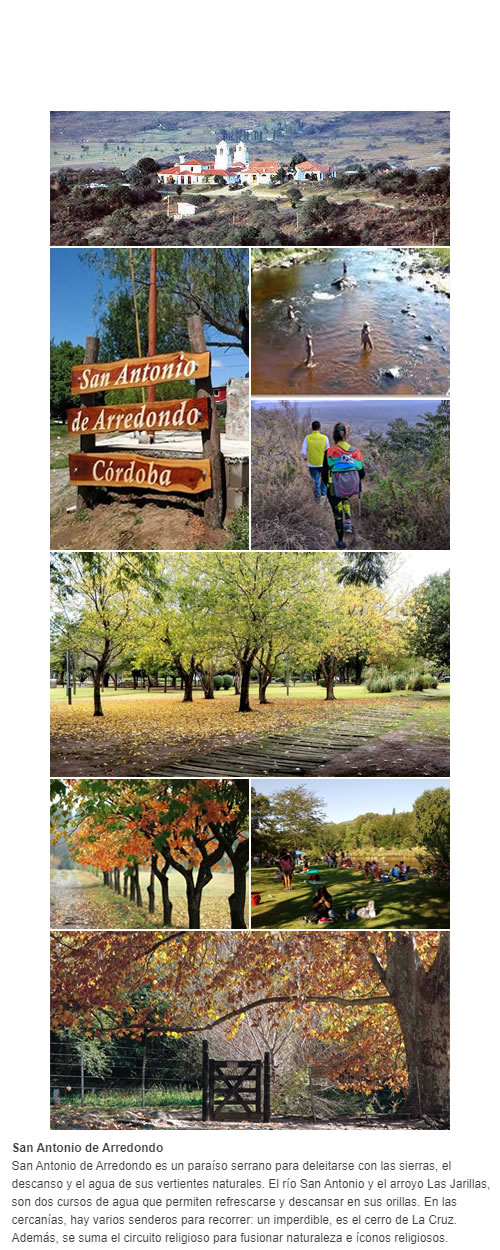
x,y
343,476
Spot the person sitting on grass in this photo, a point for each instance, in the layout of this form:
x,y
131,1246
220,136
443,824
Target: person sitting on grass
x,y
403,871
395,872
322,907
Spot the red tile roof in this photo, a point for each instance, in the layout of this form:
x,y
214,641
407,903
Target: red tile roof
x,y
309,166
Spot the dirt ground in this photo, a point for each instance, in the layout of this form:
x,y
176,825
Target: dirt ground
x,y
394,754
141,522
80,1118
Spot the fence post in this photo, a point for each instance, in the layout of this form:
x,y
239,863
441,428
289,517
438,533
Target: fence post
x,y
213,507
82,1075
205,1115
267,1087
143,1073
87,441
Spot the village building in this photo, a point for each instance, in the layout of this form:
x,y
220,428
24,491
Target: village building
x,y
236,171
311,171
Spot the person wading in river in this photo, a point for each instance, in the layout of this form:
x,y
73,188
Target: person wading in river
x,y
309,360
342,473
313,450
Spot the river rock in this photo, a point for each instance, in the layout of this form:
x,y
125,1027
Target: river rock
x,y
428,338
394,372
346,283
399,277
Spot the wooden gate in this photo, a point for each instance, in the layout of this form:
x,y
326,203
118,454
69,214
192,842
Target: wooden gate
x,y
236,1089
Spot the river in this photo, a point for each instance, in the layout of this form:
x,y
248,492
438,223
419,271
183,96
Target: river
x,y
334,318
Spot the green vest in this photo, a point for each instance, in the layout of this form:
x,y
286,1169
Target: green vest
x,y
316,446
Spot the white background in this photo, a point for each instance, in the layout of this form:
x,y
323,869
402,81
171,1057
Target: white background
x,y
393,56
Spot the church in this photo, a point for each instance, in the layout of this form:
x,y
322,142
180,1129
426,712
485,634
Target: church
x,y
237,170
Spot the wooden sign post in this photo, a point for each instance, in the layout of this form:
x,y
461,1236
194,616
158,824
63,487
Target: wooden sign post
x,y
93,467
214,506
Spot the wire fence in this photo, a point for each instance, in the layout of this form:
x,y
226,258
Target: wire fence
x,y
122,1074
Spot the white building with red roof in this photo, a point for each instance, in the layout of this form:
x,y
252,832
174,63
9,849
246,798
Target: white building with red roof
x,y
311,171
238,170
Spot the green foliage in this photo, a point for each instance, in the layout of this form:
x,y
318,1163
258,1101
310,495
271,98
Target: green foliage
x,y
432,815
238,530
428,619
62,357
218,682
399,681
379,683
227,681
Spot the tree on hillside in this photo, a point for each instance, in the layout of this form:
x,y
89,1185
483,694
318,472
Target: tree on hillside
x,y
62,357
386,997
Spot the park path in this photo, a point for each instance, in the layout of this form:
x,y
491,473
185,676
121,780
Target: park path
x,y
80,1118
374,743
72,905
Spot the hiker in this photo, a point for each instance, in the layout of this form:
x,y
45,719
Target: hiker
x,y
313,451
345,268
286,866
309,360
366,337
343,471
291,314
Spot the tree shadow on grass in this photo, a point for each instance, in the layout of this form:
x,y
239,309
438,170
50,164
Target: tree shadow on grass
x,y
418,903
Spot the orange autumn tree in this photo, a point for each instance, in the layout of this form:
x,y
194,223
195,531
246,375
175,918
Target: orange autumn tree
x,y
187,826
378,1003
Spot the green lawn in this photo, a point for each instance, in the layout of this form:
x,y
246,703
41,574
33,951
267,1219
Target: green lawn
x,y
419,903
302,690
94,905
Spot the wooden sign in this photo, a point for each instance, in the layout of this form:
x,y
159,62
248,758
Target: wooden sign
x,y
141,371
184,476
171,414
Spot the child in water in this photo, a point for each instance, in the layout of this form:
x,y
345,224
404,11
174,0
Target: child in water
x,y
366,338
309,360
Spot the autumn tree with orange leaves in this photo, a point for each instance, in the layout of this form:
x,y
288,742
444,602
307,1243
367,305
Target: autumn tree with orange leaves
x,y
186,826
380,1002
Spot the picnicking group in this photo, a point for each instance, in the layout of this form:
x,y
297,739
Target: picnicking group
x,y
289,863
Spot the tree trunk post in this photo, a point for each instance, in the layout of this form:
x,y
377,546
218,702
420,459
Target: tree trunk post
x,y
151,892
205,1104
245,669
213,506
266,1116
84,494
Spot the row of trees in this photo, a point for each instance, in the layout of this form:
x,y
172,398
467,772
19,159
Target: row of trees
x,y
188,827
377,1006
204,614
295,817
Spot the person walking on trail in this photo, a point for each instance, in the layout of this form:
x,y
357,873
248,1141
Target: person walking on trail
x,y
345,268
313,450
309,360
366,337
342,473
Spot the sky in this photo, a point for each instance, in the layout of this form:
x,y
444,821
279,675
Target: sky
x,y
73,289
371,413
346,798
